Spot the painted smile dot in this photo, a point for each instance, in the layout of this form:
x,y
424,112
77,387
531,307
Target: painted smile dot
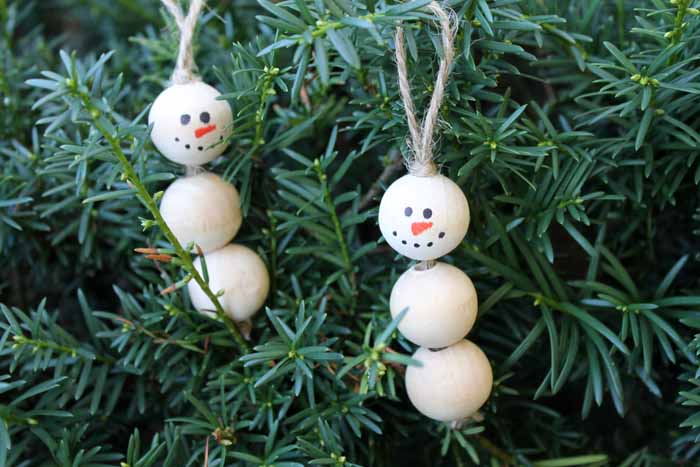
x,y
442,235
403,241
177,139
200,147
187,146
430,244
394,232
416,245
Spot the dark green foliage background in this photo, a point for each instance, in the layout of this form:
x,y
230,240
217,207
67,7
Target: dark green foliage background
x,y
572,126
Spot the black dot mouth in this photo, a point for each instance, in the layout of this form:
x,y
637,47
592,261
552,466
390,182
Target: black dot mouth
x,y
188,146
418,245
201,148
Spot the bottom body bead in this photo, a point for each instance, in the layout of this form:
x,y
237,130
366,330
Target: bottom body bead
x,y
453,382
240,273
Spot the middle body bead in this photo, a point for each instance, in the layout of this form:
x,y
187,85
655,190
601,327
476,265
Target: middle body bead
x,y
203,209
442,305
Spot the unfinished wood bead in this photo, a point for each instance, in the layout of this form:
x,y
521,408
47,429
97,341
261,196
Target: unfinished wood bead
x,y
424,218
441,303
241,275
190,125
204,209
452,384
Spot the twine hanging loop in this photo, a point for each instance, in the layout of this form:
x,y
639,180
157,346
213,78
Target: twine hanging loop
x,y
184,66
421,136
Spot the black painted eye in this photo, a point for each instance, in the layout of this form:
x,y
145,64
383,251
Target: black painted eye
x,y
427,213
185,119
204,117
408,212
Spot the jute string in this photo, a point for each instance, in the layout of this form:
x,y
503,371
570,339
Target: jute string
x,y
184,66
421,137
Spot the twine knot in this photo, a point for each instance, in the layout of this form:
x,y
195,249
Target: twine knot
x,y
184,66
421,137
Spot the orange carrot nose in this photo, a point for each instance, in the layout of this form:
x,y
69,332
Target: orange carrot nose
x,y
419,227
199,132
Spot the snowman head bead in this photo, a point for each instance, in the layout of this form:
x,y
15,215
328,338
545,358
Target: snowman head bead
x,y
190,125
424,217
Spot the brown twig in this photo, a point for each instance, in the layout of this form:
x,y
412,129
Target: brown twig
x,y
395,164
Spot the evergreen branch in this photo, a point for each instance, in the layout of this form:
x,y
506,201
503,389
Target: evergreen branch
x,y
149,202
272,233
20,340
682,8
330,206
11,418
164,338
270,73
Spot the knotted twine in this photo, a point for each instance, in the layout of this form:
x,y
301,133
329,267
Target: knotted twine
x,y
184,66
421,137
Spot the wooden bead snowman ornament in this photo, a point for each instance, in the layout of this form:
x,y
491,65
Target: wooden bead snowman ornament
x,y
424,215
191,126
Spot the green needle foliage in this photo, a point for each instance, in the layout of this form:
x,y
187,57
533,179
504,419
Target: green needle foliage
x,y
572,126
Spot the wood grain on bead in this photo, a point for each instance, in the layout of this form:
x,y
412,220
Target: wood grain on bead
x,y
190,125
441,302
424,218
240,273
204,209
452,384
